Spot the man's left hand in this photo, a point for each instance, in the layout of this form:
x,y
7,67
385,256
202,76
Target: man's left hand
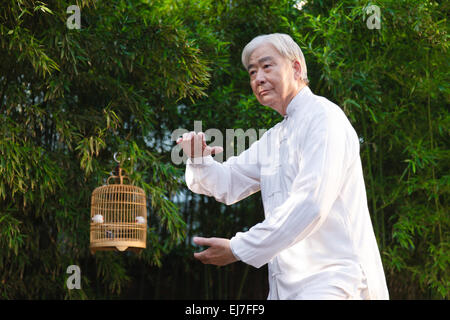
x,y
219,252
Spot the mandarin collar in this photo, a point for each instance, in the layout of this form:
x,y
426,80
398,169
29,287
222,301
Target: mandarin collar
x,y
298,101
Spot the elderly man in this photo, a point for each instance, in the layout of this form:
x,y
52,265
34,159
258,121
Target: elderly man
x,y
317,237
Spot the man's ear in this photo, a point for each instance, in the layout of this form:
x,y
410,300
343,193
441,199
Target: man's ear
x,y
297,69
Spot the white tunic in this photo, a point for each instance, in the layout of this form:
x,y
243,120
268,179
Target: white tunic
x,y
317,229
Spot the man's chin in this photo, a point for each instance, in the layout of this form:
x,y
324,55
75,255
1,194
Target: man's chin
x,y
268,103
265,101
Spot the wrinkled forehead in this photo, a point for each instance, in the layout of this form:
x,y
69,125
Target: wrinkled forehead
x,y
264,52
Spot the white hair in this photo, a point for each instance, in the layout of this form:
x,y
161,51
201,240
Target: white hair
x,y
285,45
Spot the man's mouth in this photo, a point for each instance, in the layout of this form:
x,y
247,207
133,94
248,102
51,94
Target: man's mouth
x,y
263,92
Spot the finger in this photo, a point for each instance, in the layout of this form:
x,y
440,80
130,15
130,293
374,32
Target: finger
x,y
202,139
215,150
201,256
196,145
202,241
179,140
199,138
191,137
187,136
212,150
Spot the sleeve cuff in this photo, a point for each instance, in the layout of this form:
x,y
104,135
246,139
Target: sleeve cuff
x,y
234,251
245,253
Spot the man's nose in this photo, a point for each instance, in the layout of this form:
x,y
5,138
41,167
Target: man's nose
x,y
260,77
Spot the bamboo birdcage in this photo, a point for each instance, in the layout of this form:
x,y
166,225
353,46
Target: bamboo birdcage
x,y
118,216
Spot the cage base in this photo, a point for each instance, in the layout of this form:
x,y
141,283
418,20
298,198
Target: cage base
x,y
134,246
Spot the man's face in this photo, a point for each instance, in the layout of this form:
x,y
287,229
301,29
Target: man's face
x,y
272,77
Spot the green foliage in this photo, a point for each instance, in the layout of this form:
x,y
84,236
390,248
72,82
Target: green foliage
x,y
70,99
137,70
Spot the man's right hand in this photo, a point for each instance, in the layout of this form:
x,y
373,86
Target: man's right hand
x,y
194,145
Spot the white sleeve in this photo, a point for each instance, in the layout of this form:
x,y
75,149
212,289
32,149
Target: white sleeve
x,y
227,182
314,190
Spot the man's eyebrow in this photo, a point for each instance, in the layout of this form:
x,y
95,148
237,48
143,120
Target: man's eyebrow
x,y
263,59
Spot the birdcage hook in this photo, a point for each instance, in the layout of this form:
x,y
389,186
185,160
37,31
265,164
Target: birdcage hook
x,y
115,157
118,172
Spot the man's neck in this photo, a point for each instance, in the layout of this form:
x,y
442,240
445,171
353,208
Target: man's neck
x,y
289,99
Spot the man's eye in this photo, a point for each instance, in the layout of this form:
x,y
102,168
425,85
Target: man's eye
x,y
266,66
252,72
